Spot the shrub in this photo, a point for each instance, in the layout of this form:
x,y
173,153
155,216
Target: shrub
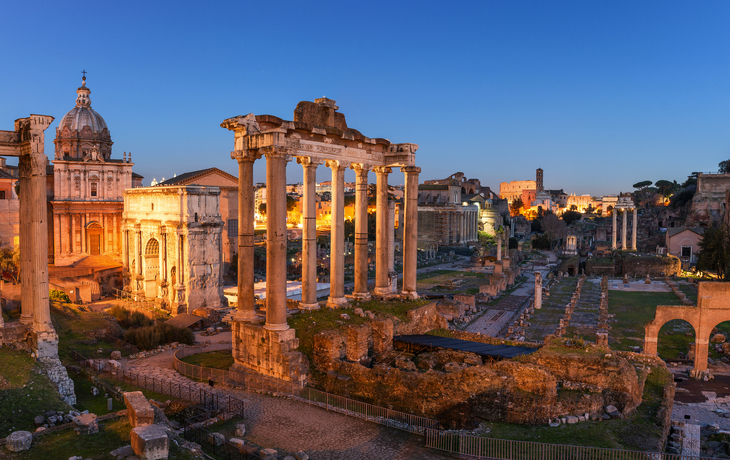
x,y
149,337
61,296
128,319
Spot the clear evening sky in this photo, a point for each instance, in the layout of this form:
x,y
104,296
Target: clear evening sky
x,y
600,94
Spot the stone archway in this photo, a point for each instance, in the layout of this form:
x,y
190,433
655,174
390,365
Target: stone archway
x,y
95,240
713,308
151,267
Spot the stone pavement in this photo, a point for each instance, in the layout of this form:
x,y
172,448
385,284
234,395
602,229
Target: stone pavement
x,y
289,425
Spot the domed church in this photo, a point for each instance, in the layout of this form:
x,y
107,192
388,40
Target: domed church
x,y
87,186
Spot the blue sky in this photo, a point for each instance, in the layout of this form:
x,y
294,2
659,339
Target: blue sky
x,y
599,94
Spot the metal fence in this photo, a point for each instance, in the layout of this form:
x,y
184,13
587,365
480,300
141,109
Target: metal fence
x,y
504,449
335,403
210,399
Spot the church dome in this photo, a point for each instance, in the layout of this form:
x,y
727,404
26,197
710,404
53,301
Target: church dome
x,y
82,130
83,115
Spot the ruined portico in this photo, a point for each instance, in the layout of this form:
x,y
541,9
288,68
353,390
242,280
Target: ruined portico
x,y
318,135
624,204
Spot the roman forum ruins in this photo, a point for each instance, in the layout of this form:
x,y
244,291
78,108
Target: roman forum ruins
x,y
624,204
317,135
27,143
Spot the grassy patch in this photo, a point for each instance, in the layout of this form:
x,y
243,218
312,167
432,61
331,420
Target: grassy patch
x,y
221,359
633,310
85,400
27,394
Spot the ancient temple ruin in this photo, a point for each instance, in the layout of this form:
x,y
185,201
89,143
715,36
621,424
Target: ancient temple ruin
x,y
317,135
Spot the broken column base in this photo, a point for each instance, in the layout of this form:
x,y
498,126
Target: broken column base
x,y
602,338
271,353
410,295
150,442
44,344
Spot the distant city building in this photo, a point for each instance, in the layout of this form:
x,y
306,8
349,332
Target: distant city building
x,y
513,190
9,206
444,219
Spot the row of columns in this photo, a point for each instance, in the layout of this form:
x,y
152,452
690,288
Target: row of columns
x,y
624,240
68,225
276,237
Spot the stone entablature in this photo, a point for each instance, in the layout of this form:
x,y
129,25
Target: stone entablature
x,y
172,246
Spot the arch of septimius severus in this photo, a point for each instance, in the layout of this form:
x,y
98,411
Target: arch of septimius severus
x,y
318,135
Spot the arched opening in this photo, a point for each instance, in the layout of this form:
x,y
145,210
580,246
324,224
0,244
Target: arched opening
x,y
676,340
94,232
151,267
719,347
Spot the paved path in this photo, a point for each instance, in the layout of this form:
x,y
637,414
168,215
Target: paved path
x,y
288,425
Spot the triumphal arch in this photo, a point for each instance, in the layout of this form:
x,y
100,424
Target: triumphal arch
x,y
713,307
318,135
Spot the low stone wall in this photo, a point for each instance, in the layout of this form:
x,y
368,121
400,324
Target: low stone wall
x,y
652,266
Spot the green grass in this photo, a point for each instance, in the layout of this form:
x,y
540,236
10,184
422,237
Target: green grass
x,y
112,434
222,359
437,273
87,401
633,310
27,393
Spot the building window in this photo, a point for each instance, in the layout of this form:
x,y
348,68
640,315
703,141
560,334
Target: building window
x,y
686,251
93,188
2,194
232,228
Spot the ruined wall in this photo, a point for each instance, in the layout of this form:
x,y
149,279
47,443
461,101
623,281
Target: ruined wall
x,y
653,266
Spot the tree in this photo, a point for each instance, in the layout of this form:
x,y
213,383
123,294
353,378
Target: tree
x,y
10,263
516,207
665,187
571,216
724,167
540,213
262,209
641,188
291,203
573,207
714,254
554,228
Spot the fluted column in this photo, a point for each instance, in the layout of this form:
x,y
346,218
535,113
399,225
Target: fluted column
x,y
614,229
309,234
382,286
246,309
392,275
633,234
276,159
499,246
410,232
624,242
26,288
337,236
361,231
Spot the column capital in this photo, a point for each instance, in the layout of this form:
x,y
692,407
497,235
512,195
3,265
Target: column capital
x,y
336,164
410,169
245,155
309,161
245,125
360,168
382,170
275,151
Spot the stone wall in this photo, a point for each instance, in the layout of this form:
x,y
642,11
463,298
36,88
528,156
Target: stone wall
x,y
652,266
271,353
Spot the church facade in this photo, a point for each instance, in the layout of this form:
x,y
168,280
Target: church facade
x,y
86,187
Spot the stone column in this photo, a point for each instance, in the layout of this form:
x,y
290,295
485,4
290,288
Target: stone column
x,y
246,309
499,247
139,277
337,236
538,290
309,234
410,232
57,235
276,159
624,242
392,275
614,229
26,288
361,231
381,231
634,230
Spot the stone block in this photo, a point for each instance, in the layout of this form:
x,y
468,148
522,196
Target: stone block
x,y
116,355
85,424
150,442
300,455
357,342
268,453
139,410
217,439
240,429
382,336
572,419
19,441
237,442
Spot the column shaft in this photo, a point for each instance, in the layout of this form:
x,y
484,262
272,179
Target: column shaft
x,y
381,228
361,232
614,229
337,237
246,310
39,243
276,240
309,235
410,232
633,234
391,247
26,287
623,230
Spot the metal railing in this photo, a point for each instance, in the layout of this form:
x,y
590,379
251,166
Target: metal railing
x,y
504,449
210,399
255,382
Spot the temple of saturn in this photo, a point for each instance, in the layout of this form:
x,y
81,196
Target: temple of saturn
x,y
318,135
624,204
